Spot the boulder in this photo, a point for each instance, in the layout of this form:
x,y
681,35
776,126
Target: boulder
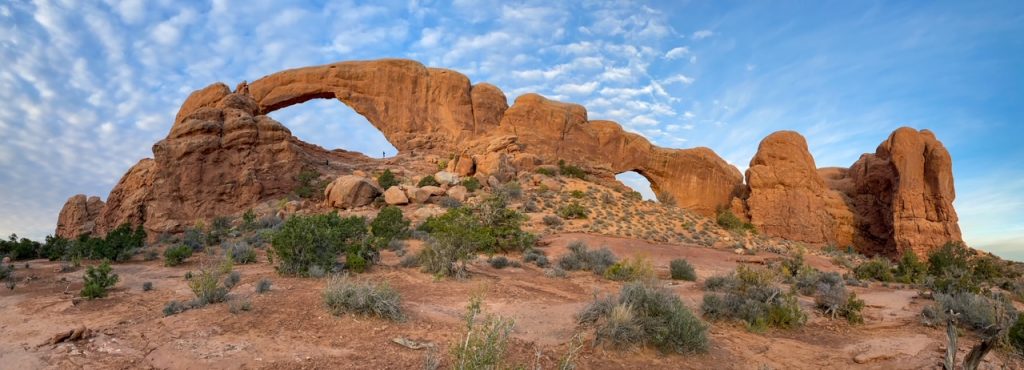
x,y
497,165
422,195
462,165
350,191
458,193
446,178
427,211
395,196
79,216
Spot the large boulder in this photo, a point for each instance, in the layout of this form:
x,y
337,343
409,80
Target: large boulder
x,y
457,192
350,191
395,196
79,216
788,199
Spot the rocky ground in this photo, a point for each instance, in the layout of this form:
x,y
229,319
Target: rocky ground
x,y
288,326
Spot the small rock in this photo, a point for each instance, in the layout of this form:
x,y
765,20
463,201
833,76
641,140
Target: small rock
x,y
395,196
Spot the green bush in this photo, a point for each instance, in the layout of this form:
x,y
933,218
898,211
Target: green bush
x,y
485,342
175,307
552,221
428,180
546,171
387,179
1015,336
582,258
98,279
498,262
355,261
241,253
460,233
573,210
19,249
729,221
950,255
644,314
471,184
343,295
315,240
54,248
630,269
910,269
832,297
389,224
174,256
309,185
681,269
571,170
208,287
977,312
878,268
752,295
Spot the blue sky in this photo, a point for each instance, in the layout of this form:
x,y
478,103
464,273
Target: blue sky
x,y
86,87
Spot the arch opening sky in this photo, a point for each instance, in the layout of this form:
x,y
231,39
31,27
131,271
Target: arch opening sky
x,y
87,87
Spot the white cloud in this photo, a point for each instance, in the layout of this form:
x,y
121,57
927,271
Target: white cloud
x,y
680,78
677,53
702,34
131,11
643,120
577,89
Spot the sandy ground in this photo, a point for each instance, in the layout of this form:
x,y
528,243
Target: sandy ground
x,y
288,327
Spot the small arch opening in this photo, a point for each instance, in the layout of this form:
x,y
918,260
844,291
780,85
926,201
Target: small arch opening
x,y
634,180
332,124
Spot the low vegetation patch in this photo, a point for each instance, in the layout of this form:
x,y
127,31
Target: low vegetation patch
x,y
314,241
344,295
573,210
174,256
569,170
387,179
98,279
680,269
485,341
643,314
729,221
582,258
630,269
752,295
834,300
428,180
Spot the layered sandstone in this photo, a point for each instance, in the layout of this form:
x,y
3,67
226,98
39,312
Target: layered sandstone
x,y
224,154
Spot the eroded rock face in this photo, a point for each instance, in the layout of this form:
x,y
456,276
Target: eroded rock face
x,y
903,194
79,216
223,155
789,199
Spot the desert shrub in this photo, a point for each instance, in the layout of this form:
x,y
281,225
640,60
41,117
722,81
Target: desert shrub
x,y
644,314
19,248
355,261
546,171
448,202
977,312
878,268
573,210
98,279
1015,335
499,262
581,258
263,286
485,341
729,221
536,257
751,295
792,265
308,184
410,260
174,256
249,219
151,255
269,222
241,253
630,269
578,194
806,281
389,225
634,195
950,255
507,191
910,269
118,245
219,229
471,184
555,272
238,306
54,248
175,307
207,285
531,206
387,179
552,221
667,199
147,286
681,269
344,295
194,239
428,180
569,170
832,297
315,240
953,280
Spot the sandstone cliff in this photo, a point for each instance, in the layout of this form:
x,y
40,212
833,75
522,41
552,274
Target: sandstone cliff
x,y
224,154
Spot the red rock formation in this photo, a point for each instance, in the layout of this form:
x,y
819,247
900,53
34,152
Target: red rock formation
x,y
903,195
789,199
79,216
223,155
